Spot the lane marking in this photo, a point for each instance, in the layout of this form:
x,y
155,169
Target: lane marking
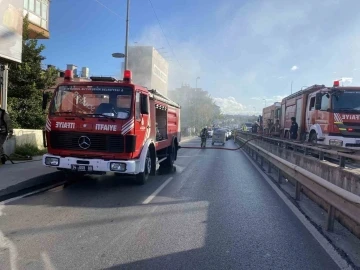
x,y
329,249
48,265
156,192
7,244
57,189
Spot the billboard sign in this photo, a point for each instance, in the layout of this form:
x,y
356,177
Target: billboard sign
x,y
11,26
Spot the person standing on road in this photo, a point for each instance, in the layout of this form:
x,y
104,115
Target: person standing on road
x,y
293,129
203,135
6,132
255,127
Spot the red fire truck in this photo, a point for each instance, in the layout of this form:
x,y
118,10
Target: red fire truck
x,y
109,126
269,116
325,115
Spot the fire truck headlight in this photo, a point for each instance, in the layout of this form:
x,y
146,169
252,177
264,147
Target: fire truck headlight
x,y
336,142
52,161
117,166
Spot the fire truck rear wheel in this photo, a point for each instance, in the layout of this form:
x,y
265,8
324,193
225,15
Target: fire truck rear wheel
x,y
168,163
141,178
313,138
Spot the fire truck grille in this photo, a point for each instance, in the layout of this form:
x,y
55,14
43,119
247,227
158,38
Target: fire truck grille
x,y
98,142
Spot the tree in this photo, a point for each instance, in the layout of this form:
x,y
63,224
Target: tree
x,y
27,81
198,109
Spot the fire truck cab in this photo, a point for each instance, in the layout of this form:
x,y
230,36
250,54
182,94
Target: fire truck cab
x,y
109,126
325,115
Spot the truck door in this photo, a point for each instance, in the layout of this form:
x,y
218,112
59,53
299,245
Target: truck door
x,y
310,111
298,114
142,124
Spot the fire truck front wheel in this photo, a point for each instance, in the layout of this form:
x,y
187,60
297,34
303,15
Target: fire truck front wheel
x,y
141,178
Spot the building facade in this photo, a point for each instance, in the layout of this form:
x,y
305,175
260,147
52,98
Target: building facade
x,y
11,24
38,14
148,68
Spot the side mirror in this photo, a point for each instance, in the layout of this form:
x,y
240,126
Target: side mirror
x,y
318,99
144,104
45,101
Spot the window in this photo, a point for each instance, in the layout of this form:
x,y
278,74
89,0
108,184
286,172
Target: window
x,y
137,107
312,104
38,11
44,10
32,5
38,7
123,101
325,103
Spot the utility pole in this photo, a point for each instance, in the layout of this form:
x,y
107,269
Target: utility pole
x,y
4,76
127,34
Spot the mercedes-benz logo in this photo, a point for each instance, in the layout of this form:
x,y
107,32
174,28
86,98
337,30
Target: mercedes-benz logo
x,y
84,142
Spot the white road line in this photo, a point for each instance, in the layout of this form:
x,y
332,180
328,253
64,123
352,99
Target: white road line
x,y
315,233
156,192
47,261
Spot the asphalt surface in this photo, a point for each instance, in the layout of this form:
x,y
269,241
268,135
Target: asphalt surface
x,y
217,212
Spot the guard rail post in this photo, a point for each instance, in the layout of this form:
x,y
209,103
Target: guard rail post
x,y
321,156
297,190
342,162
279,176
330,219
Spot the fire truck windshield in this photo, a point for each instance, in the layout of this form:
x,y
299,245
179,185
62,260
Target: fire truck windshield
x,y
346,101
91,101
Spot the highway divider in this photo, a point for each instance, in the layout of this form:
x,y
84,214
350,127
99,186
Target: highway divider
x,y
340,153
336,197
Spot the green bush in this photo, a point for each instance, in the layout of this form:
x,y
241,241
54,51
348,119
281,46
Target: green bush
x,y
28,150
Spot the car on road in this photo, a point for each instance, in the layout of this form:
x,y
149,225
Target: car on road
x,y
219,136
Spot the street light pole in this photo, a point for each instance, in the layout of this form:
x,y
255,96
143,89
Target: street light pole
x,y
127,34
196,83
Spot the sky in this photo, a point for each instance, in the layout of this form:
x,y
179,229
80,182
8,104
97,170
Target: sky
x,y
247,53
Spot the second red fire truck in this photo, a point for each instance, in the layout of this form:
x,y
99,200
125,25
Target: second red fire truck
x,y
107,125
325,115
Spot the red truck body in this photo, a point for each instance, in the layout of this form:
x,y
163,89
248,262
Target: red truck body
x,y
110,126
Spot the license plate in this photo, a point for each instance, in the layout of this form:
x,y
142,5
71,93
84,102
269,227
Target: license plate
x,y
357,141
82,168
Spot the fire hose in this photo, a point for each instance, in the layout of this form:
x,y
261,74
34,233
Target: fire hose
x,y
220,148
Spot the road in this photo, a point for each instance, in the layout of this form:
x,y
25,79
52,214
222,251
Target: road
x,y
216,212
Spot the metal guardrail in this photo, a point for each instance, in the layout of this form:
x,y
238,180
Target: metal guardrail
x,y
284,143
337,198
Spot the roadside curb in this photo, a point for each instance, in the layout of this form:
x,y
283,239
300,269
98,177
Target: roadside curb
x,y
31,184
